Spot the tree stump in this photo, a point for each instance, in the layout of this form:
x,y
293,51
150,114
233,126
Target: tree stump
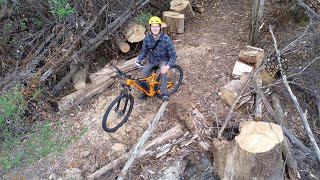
x,y
134,32
174,21
182,7
256,153
230,91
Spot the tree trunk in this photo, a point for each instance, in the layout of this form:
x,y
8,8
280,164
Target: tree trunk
x,y
256,20
230,91
174,21
134,32
256,153
182,7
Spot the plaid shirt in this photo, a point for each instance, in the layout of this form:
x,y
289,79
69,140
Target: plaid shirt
x,y
163,52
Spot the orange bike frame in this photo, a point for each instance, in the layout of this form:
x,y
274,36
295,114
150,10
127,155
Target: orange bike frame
x,y
151,83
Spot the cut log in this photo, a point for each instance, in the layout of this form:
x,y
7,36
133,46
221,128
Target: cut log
x,y
258,101
182,7
122,44
134,32
174,21
240,68
150,149
256,153
231,91
252,55
267,77
98,85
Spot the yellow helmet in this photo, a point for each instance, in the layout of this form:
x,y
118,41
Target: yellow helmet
x,y
155,20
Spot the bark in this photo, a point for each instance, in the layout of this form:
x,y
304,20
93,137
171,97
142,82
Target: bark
x,y
256,20
174,21
290,161
278,108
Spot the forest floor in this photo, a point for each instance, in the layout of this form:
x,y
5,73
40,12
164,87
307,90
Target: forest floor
x,y
207,52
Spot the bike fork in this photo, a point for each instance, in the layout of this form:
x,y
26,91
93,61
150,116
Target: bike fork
x,y
124,107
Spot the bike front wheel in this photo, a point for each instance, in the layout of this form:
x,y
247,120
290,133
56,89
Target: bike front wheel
x,y
117,113
175,76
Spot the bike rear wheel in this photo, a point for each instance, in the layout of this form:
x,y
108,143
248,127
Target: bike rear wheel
x,y
175,76
117,113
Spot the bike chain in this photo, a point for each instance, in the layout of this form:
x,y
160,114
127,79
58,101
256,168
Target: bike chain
x,y
272,64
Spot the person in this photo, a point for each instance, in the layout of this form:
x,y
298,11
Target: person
x,y
159,47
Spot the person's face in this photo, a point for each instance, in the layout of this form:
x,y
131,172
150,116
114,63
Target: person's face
x,y
155,28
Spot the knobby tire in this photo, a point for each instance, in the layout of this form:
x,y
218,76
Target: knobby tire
x,y
106,119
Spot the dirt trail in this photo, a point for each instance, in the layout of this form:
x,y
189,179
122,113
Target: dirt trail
x,y
206,52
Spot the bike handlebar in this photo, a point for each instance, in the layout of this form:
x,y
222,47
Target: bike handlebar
x,y
121,73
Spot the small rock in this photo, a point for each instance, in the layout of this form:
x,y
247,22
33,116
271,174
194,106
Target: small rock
x,y
52,176
85,154
72,174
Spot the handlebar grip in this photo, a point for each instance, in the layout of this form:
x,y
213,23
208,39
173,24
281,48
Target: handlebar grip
x,y
121,73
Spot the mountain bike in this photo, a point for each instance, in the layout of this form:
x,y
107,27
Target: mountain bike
x,y
121,107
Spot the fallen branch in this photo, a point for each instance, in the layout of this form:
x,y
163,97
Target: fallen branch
x,y
293,139
100,81
295,101
171,135
137,148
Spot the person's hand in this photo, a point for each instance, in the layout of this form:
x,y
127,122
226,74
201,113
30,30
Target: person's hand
x,y
164,69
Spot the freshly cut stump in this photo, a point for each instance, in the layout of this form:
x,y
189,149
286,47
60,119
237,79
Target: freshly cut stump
x,y
134,32
174,21
256,153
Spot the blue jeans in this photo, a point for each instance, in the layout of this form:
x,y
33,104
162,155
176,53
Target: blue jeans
x,y
146,72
